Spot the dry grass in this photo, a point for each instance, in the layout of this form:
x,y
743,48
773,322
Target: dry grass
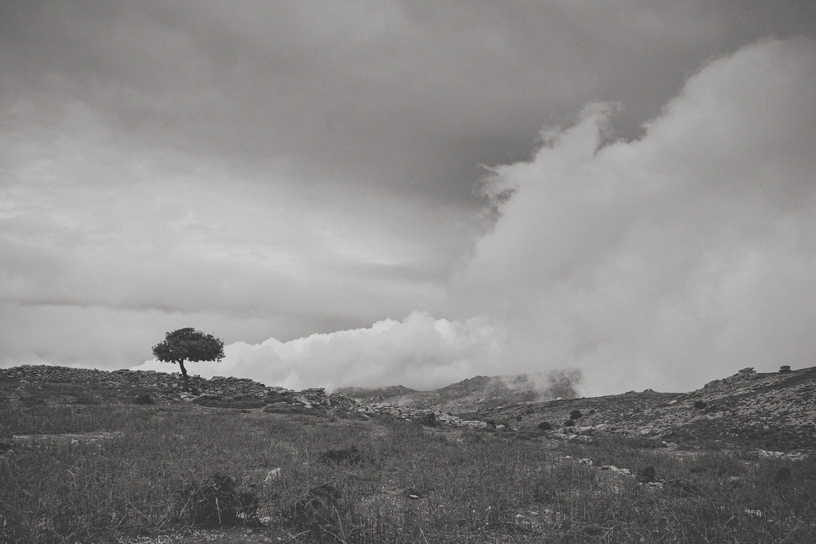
x,y
351,480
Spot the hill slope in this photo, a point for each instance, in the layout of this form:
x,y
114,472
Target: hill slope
x,y
488,392
775,411
366,393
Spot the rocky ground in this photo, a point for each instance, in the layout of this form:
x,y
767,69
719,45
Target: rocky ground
x,y
773,411
641,467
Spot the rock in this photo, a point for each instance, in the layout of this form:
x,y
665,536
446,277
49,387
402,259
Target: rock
x,y
272,476
413,494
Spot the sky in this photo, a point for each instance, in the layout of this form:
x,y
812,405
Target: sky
x,y
357,193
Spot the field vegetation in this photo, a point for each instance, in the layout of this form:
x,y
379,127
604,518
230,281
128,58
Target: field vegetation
x,y
101,468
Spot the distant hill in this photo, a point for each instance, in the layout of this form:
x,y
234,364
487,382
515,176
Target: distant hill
x,y
366,393
483,392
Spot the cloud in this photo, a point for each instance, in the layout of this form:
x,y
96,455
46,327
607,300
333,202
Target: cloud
x,y
669,260
662,262
419,352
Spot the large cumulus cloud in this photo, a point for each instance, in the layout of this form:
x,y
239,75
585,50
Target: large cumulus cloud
x,y
672,259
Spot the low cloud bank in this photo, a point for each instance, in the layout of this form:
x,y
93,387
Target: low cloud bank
x,y
420,352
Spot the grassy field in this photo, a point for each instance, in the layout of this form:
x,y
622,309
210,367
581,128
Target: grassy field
x,y
93,469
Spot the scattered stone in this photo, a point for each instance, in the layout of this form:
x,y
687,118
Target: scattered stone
x,y
413,494
272,475
613,468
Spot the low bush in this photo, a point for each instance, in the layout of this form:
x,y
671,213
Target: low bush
x,y
217,502
345,456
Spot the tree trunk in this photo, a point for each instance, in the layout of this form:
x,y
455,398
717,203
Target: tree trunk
x,y
184,375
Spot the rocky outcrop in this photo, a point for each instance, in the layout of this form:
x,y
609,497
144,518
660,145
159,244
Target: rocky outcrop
x,y
147,386
168,387
419,415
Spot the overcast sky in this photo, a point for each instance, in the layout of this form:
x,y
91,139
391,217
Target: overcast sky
x,y
373,193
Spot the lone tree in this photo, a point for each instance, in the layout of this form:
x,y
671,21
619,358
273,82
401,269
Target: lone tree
x,y
188,345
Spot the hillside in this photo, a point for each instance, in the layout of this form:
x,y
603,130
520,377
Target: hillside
x,y
769,410
129,457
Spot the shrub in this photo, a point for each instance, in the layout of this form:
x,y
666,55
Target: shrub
x,y
700,404
216,502
569,423
576,414
646,474
346,456
243,401
143,399
544,426
316,513
204,399
429,420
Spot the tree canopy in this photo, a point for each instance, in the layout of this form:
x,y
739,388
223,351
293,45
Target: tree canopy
x,y
191,345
